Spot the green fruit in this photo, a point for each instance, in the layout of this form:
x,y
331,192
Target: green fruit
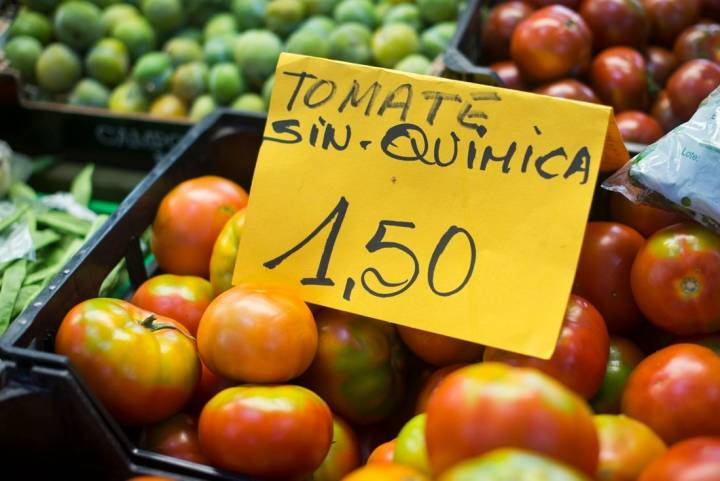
x,y
78,24
358,11
190,81
257,52
153,72
267,89
410,447
249,13
137,35
510,464
164,15
225,82
202,107
40,5
381,10
183,50
220,25
436,11
168,106
31,24
108,61
391,43
90,93
435,40
404,13
284,16
105,3
58,68
128,98
319,24
250,103
114,14
307,42
219,49
22,54
319,7
191,33
414,63
350,42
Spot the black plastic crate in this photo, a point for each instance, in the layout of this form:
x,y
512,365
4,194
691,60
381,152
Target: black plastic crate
x,y
226,143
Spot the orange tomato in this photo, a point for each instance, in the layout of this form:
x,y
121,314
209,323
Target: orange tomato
x,y
439,350
257,334
343,456
431,384
696,459
208,386
176,437
385,472
224,253
383,453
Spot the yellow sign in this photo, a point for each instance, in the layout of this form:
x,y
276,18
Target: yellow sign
x,y
446,206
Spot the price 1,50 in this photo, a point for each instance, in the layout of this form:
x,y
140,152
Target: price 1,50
x,y
371,279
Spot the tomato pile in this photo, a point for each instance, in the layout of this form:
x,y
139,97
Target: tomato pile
x,y
653,61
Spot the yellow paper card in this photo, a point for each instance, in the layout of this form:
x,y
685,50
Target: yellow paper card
x,y
442,205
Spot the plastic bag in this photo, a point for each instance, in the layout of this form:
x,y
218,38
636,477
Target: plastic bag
x,y
681,171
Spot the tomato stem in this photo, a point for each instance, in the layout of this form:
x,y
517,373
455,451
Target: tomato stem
x,y
149,323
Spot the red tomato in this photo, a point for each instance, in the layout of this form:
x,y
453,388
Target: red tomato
x,y
570,89
699,41
439,350
619,78
176,437
581,353
662,111
188,221
383,453
638,127
143,367
660,64
645,219
552,43
690,84
696,459
676,278
627,446
616,22
266,431
208,386
546,3
499,26
343,456
676,392
486,406
509,75
622,359
670,17
603,273
182,298
258,334
431,384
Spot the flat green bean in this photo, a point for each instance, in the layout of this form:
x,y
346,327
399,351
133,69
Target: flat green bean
x,y
81,187
12,281
24,298
44,238
20,191
64,222
9,220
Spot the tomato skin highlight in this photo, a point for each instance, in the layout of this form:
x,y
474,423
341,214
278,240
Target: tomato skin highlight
x,y
619,78
570,89
638,127
696,459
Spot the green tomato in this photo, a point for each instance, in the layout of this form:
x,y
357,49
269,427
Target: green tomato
x,y
257,53
435,40
319,24
414,63
22,53
225,82
358,11
307,42
40,5
410,448
250,102
249,13
436,11
108,61
114,14
78,24
90,93
391,43
164,15
284,16
219,49
58,68
183,50
267,89
350,42
202,107
622,359
190,81
153,72
137,35
319,7
404,13
220,25
128,98
31,24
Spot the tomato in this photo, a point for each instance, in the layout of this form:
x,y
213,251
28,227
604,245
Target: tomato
x,y
676,277
670,17
498,28
552,43
410,448
699,41
509,75
660,64
182,298
581,353
176,437
511,465
626,447
343,456
676,391
546,3
385,472
487,406
385,453
188,221
439,350
266,431
224,253
696,459
690,84
619,78
208,386
616,22
259,334
711,341
150,478
359,366
662,112
622,359
570,89
645,219
142,367
431,384
638,127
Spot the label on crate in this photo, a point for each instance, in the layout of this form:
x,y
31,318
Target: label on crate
x,y
446,206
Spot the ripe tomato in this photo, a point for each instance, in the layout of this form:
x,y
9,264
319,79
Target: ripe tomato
x,y
182,298
552,43
616,22
439,350
431,384
487,406
670,17
208,386
662,112
638,127
699,41
142,367
410,446
266,431
359,366
176,437
385,472
385,453
498,28
711,341
660,64
343,456
188,221
619,78
581,353
224,253
509,75
570,89
645,219
150,478
676,277
626,447
696,459
676,392
546,3
622,359
511,465
690,84
259,334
